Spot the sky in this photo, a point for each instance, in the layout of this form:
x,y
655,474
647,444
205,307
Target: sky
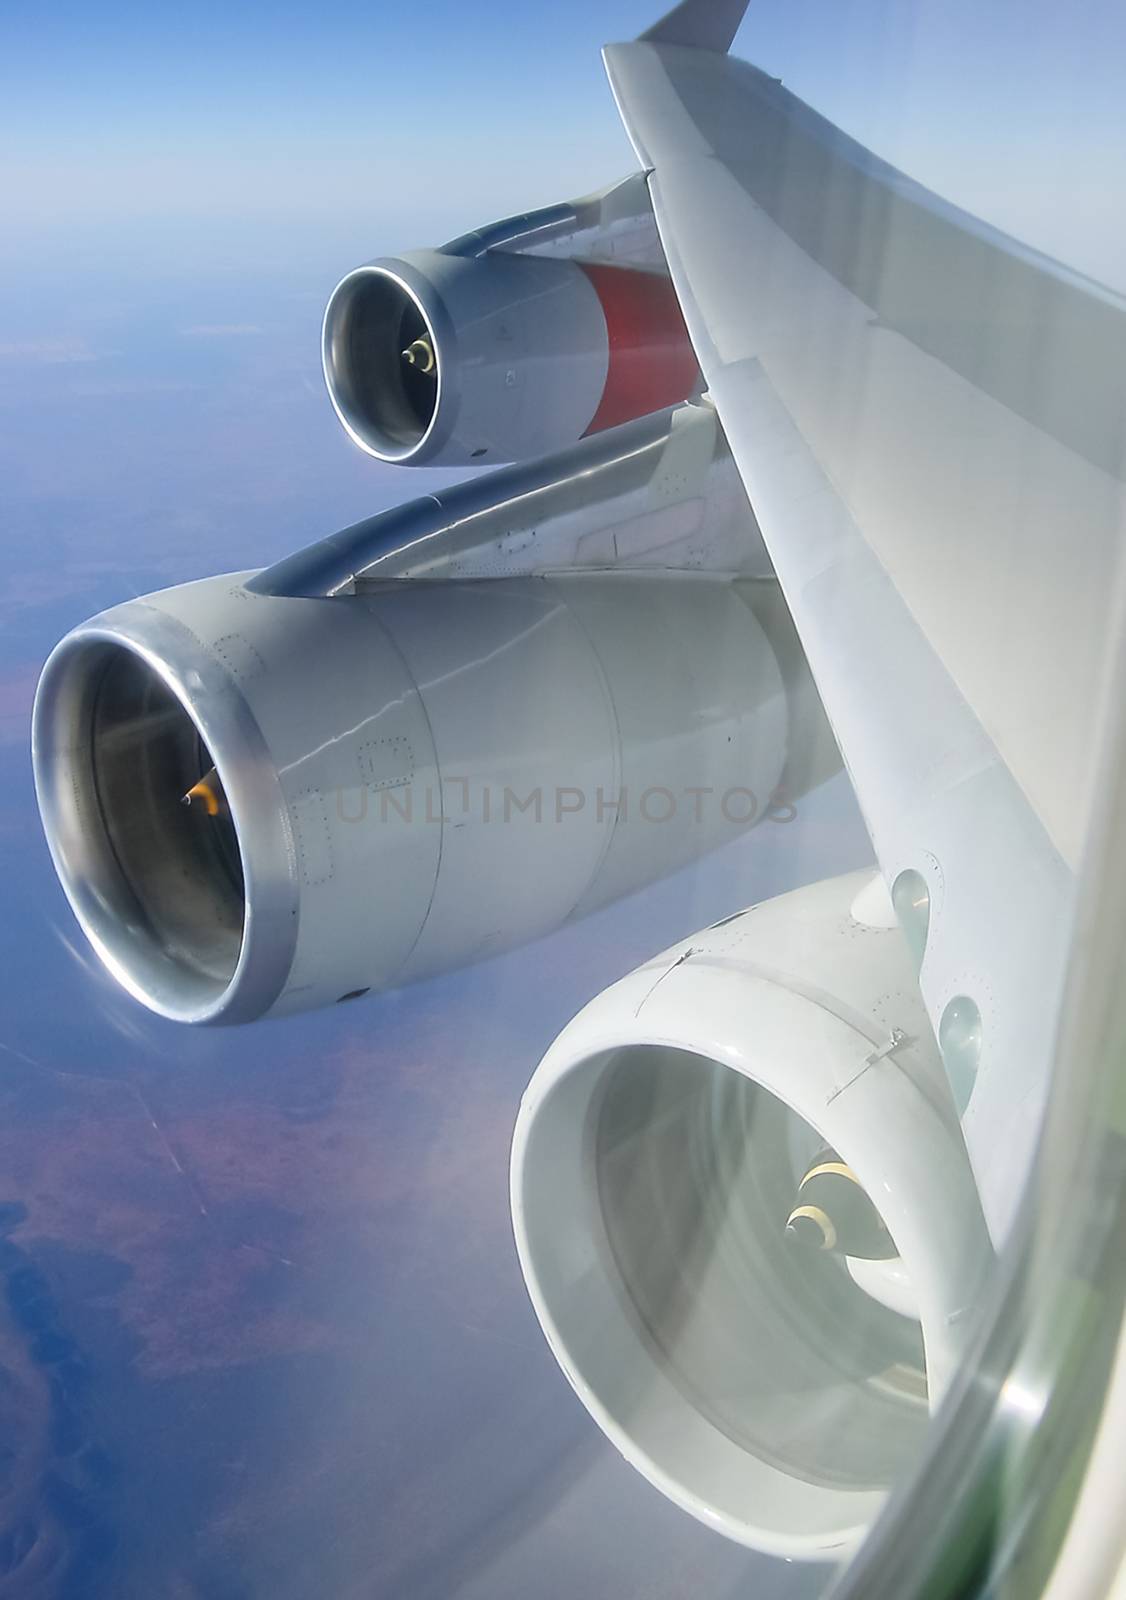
x,y
398,119
298,1355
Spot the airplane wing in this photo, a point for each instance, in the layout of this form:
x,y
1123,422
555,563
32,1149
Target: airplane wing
x,y
928,418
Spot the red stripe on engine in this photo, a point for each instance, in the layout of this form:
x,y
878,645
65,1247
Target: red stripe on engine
x,y
651,360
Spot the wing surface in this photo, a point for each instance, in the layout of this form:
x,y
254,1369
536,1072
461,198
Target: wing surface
x,y
929,420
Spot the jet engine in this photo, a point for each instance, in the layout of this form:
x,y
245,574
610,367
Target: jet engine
x,y
383,785
747,1221
450,358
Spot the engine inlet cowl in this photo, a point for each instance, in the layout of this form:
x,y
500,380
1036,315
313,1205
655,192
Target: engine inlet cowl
x,y
389,785
449,359
660,1150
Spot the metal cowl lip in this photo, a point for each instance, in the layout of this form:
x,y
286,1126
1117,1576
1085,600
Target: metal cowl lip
x,y
381,427
142,893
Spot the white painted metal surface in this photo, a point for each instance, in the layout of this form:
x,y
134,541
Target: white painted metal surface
x,y
799,999
425,774
863,343
519,343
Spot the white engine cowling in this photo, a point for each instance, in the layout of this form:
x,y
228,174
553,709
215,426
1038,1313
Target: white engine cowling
x,y
411,779
450,359
657,1156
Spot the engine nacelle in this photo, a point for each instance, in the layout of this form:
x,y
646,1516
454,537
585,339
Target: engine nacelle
x,y
664,1142
400,781
450,359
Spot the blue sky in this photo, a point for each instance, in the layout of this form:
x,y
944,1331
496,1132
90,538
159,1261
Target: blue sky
x,y
416,121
